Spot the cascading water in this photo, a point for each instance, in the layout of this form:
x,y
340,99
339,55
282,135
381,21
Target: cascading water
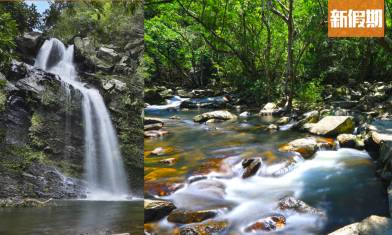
x,y
105,174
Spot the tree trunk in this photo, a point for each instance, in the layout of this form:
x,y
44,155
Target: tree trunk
x,y
290,56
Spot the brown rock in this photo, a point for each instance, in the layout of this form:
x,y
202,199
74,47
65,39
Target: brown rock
x,y
181,216
155,210
267,224
210,227
169,161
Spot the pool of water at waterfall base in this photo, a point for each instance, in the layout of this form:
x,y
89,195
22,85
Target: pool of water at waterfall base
x,y
341,183
74,217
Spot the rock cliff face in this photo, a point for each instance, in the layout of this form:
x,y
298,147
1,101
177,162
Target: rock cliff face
x,y
41,130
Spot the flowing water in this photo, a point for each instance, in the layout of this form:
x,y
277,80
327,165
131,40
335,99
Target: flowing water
x,y
104,170
341,183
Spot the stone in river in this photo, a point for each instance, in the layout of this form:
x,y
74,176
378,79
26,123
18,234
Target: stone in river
x,y
271,223
151,127
155,133
181,216
218,115
305,146
251,168
209,227
158,151
169,161
155,210
372,225
333,125
347,140
291,203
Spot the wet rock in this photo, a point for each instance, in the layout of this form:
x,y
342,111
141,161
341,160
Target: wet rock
x,y
375,225
155,210
158,151
151,120
219,115
86,55
210,102
270,109
169,161
155,133
210,227
333,125
155,126
184,93
347,140
181,216
305,146
271,223
251,168
291,203
195,178
245,114
283,121
24,202
272,127
381,130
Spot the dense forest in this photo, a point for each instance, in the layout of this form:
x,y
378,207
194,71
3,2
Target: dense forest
x,y
267,50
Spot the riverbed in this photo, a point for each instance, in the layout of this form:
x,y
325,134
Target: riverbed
x,y
342,183
74,217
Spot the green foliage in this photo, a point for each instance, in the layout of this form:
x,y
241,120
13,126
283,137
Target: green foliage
x,y
26,16
8,32
243,44
310,92
20,157
104,20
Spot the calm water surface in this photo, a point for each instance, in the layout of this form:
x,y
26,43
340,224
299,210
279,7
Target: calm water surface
x,y
74,217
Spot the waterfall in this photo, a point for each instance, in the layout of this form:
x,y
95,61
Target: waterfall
x,y
104,169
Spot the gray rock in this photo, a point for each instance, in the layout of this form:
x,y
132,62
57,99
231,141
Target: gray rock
x,y
333,125
107,54
374,225
218,115
210,102
155,210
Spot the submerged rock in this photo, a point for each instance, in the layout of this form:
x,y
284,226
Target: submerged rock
x,y
155,210
181,216
374,225
209,227
333,125
267,224
169,161
218,115
24,202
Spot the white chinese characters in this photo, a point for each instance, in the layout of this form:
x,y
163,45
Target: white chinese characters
x,y
372,18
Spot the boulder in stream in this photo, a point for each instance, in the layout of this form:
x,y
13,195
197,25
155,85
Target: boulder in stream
x,y
333,125
217,115
291,203
155,210
305,146
251,167
270,223
374,225
181,216
209,227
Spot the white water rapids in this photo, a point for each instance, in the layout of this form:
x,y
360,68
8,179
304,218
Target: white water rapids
x,y
104,170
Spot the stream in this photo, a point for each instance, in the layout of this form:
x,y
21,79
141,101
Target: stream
x,y
340,183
